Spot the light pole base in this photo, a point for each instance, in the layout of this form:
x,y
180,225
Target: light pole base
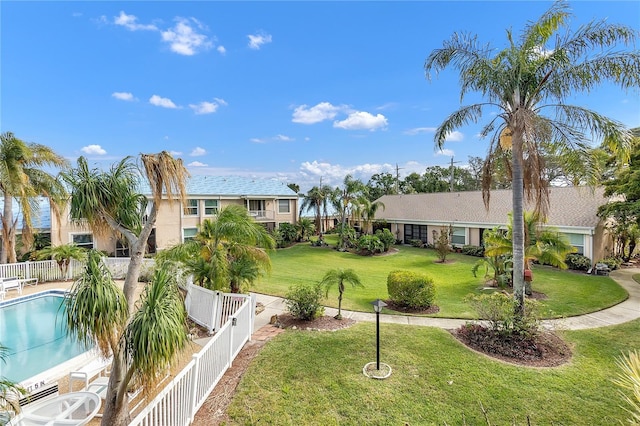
x,y
372,372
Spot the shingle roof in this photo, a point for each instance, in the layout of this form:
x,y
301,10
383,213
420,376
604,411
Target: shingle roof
x,y
233,186
568,206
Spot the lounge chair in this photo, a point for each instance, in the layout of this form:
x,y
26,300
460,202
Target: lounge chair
x,y
98,367
10,283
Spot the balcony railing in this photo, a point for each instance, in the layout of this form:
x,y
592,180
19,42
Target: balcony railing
x,y
261,215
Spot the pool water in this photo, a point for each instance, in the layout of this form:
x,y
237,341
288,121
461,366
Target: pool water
x,y
34,331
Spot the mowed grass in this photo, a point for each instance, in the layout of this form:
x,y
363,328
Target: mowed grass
x,y
568,293
315,378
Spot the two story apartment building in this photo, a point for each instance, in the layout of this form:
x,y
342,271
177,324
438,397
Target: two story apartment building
x,y
269,201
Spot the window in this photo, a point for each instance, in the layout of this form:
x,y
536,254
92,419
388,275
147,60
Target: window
x,y
284,206
189,234
122,248
459,236
210,207
83,240
191,209
256,208
576,240
415,232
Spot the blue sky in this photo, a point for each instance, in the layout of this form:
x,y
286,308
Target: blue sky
x,y
287,90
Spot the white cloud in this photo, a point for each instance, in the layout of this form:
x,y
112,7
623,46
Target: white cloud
x,y
258,140
175,153
445,152
454,136
129,22
204,108
277,138
388,105
197,164
207,107
257,40
93,150
419,130
316,114
221,50
284,138
123,96
184,39
161,102
198,152
360,120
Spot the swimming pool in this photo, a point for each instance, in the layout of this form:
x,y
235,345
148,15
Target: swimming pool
x,y
34,330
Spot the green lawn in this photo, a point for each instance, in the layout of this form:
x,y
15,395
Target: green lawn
x,y
315,378
569,293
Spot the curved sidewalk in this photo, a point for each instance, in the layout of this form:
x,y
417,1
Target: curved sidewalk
x,y
618,314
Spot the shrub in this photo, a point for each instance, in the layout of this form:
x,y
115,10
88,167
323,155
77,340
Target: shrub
x,y
499,310
477,251
410,289
303,301
416,243
386,237
288,232
612,262
369,244
578,262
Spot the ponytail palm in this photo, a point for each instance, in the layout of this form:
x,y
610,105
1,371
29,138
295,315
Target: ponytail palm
x,y
526,86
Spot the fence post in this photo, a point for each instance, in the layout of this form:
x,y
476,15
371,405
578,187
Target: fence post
x,y
252,320
232,332
194,387
217,312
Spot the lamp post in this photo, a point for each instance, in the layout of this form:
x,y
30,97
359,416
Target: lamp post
x,y
377,306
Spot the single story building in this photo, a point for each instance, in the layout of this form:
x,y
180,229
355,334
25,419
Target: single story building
x,y
572,210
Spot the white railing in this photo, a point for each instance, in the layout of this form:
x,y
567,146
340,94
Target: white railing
x,y
178,403
48,270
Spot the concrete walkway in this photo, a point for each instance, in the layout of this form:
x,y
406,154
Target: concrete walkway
x,y
618,314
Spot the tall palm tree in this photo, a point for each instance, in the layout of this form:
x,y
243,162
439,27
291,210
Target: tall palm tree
x,y
528,83
367,211
22,179
352,190
62,255
223,250
97,312
340,277
110,203
316,200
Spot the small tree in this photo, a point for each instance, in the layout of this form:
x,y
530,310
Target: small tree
x,y
442,242
62,255
305,228
339,277
629,379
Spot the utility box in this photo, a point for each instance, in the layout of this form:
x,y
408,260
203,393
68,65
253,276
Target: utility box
x,y
528,275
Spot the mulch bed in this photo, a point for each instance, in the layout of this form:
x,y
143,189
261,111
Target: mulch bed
x,y
323,323
544,350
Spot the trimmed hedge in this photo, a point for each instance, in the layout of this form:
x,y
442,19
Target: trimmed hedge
x,y
410,289
476,251
303,301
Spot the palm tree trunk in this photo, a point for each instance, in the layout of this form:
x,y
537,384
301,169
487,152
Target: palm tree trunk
x,y
8,253
518,218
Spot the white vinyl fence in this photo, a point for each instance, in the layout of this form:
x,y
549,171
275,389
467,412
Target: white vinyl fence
x,y
48,270
178,403
211,309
